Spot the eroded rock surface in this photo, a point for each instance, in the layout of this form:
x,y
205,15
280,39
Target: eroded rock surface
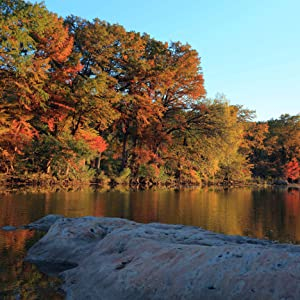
x,y
111,258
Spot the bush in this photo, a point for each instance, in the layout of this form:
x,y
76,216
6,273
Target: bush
x,y
124,177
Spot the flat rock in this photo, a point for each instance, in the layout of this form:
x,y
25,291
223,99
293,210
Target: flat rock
x,y
44,223
9,228
111,258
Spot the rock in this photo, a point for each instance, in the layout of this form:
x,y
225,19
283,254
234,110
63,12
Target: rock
x,y
9,228
44,223
108,258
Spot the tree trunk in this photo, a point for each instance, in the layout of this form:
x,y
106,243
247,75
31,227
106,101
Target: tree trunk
x,y
98,160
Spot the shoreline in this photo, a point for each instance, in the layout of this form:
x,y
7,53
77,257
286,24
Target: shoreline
x,y
61,186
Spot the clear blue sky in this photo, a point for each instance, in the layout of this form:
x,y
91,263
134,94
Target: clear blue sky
x,y
249,49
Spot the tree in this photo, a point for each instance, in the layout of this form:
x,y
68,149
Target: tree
x,y
272,145
35,47
154,82
45,90
255,148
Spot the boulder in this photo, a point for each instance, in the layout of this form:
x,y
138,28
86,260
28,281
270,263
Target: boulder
x,y
111,258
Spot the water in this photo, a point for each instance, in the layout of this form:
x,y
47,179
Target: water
x,y
263,213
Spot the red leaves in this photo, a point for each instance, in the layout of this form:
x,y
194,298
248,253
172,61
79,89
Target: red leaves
x,y
51,124
292,169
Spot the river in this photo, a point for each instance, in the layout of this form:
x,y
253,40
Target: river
x,y
263,213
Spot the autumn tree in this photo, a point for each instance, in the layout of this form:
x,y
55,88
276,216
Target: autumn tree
x,y
33,43
286,129
175,84
272,145
37,69
155,81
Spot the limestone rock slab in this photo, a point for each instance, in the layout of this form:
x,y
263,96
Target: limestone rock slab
x,y
111,258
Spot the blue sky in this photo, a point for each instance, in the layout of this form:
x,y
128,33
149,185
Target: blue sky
x,y
249,49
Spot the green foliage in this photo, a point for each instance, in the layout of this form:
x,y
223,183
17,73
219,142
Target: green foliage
x,y
124,177
164,177
102,179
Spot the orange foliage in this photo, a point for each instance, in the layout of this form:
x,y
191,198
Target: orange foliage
x,y
95,142
145,156
292,169
55,42
19,134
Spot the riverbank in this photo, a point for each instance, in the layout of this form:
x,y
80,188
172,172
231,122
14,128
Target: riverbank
x,y
46,183
112,258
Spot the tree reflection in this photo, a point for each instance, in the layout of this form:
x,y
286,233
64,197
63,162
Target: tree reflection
x,y
20,280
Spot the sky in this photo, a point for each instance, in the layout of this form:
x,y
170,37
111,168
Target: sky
x,y
249,49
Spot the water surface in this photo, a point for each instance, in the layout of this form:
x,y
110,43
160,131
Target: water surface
x,y
263,213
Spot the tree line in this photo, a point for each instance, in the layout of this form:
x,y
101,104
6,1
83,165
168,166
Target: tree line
x,y
86,101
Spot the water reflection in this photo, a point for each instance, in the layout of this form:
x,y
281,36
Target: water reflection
x,y
264,213
271,213
20,280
